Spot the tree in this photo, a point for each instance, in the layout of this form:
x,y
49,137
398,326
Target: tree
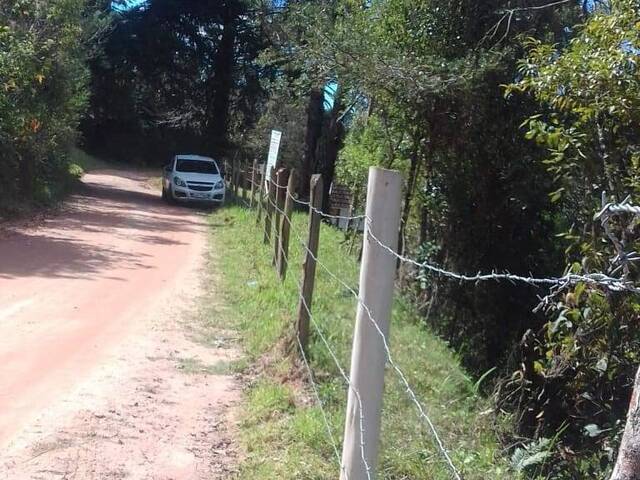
x,y
44,47
171,74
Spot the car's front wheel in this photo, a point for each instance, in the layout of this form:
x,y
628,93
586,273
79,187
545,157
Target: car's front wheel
x,y
168,195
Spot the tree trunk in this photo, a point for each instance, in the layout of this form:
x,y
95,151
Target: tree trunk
x,y
331,141
312,134
221,85
408,194
628,462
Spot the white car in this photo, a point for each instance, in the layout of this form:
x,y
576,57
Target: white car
x,y
193,178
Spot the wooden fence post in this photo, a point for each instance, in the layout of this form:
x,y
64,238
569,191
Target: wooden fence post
x,y
260,195
281,178
234,179
253,183
285,227
270,197
309,266
243,184
368,355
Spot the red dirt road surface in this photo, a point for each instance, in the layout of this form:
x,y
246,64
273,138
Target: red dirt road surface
x,y
100,375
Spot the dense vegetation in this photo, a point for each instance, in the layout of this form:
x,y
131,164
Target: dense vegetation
x,y
44,48
508,119
175,76
282,427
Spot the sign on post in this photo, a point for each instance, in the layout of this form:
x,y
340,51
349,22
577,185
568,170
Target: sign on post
x,y
274,148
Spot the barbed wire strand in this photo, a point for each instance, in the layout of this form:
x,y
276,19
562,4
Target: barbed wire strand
x,y
314,209
596,278
568,279
326,215
332,440
333,355
622,207
314,386
413,396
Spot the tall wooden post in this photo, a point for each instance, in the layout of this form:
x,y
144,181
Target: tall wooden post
x,y
243,184
260,195
253,182
285,226
270,199
309,266
368,356
236,181
281,178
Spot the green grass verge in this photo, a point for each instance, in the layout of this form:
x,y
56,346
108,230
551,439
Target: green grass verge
x,y
282,429
49,192
80,162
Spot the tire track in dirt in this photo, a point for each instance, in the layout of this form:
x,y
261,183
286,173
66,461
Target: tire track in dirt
x,y
99,376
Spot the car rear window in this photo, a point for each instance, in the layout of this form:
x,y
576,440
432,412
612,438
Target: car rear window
x,y
196,166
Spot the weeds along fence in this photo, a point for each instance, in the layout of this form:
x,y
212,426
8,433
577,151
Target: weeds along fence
x,y
274,198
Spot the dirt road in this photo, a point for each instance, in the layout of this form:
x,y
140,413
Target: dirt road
x,y
100,377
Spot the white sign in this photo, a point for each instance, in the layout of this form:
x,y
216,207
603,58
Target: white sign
x,y
274,148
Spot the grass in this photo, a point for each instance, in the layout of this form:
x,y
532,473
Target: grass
x,y
192,366
81,162
282,429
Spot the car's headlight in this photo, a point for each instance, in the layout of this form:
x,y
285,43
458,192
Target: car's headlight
x,y
219,185
179,182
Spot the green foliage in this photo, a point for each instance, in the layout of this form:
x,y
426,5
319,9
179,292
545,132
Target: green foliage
x,y
364,148
592,90
282,428
44,47
176,76
576,372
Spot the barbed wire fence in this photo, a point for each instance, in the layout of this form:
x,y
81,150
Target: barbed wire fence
x,y
371,346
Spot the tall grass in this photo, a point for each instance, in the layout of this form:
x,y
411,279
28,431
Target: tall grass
x,y
282,427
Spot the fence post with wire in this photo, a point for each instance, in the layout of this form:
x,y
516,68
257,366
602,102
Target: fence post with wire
x,y
368,358
371,350
285,226
254,167
270,197
260,185
243,184
309,265
282,177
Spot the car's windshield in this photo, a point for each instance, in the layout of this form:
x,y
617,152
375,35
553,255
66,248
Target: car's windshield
x,y
196,166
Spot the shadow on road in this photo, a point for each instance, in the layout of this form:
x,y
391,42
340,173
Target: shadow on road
x,y
109,221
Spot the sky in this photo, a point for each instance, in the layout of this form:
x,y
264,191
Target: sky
x,y
135,3
130,4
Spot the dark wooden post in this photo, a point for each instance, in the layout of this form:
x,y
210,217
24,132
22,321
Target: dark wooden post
x,y
253,182
236,178
270,198
285,227
309,265
281,178
243,184
261,194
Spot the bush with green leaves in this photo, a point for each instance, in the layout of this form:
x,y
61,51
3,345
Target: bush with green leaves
x,y
44,47
577,372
